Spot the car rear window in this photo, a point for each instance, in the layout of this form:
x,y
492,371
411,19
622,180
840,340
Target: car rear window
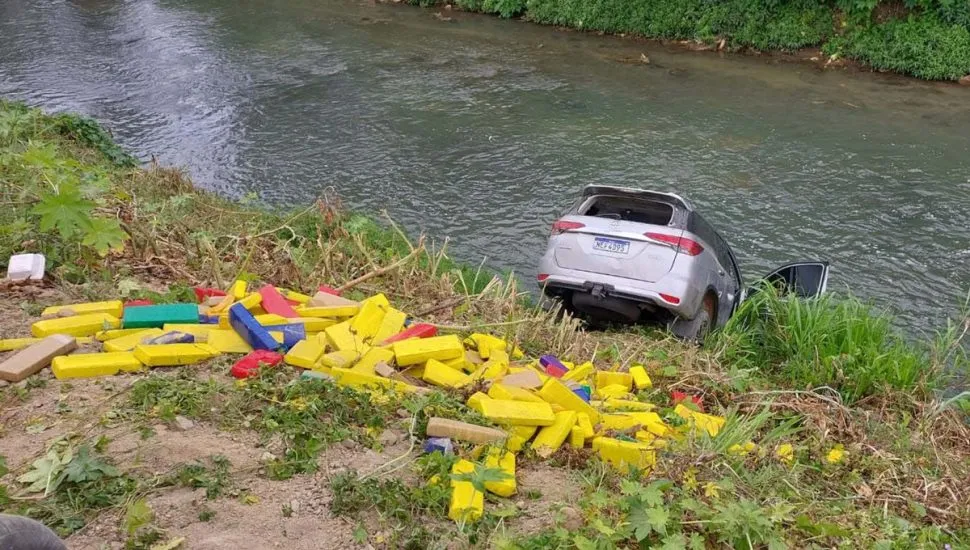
x,y
627,209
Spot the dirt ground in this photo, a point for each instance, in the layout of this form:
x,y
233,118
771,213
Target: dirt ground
x,y
259,513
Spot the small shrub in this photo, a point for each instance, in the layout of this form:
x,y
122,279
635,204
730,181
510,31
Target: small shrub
x,y
403,507
76,483
505,8
470,5
87,132
923,47
215,480
166,397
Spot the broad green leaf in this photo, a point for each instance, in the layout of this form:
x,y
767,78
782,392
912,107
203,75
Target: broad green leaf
x,y
66,211
693,505
41,156
630,487
640,523
481,476
917,509
126,287
104,235
94,186
85,467
603,529
696,542
583,543
359,534
44,473
657,517
138,515
652,496
675,541
599,499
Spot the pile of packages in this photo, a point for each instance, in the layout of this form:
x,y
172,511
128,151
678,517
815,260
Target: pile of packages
x,y
539,404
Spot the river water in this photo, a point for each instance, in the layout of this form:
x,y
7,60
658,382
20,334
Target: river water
x,y
484,130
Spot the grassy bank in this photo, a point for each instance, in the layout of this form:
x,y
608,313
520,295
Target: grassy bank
x,y
928,39
836,433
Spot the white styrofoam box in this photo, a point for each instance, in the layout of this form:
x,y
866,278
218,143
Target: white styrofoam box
x,y
26,266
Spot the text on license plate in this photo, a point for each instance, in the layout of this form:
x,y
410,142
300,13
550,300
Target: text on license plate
x,y
611,245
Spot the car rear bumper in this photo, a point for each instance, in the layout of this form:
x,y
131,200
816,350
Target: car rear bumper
x,y
559,279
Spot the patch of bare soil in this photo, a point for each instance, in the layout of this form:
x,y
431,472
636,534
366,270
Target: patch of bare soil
x,y
288,514
52,409
544,494
256,513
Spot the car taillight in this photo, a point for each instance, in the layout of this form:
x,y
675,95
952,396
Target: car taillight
x,y
687,246
563,225
542,277
670,299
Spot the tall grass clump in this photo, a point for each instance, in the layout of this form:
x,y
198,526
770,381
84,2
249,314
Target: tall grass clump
x,y
830,341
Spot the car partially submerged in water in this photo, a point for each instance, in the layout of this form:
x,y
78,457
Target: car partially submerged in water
x,y
629,255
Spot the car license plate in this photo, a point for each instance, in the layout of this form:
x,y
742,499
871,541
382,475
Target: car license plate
x,y
615,246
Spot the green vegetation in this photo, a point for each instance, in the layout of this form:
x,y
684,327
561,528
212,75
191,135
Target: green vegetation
x,y
924,38
405,507
94,210
835,434
306,416
76,482
836,342
65,193
216,480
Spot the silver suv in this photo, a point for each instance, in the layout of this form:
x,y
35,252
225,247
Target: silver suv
x,y
626,255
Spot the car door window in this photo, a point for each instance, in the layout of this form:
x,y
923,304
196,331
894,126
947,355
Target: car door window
x,y
804,279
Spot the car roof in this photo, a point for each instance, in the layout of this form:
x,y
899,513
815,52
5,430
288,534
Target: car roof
x,y
592,190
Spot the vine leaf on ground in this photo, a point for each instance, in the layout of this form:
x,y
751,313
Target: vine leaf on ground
x,y
649,520
138,515
85,467
45,472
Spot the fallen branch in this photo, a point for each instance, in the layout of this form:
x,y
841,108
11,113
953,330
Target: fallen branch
x,y
383,270
466,328
454,302
812,393
286,223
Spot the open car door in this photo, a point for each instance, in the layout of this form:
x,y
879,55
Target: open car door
x,y
801,279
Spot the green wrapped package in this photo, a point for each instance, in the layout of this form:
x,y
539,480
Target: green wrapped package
x,y
156,316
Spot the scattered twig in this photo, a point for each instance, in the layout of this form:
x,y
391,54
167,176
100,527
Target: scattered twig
x,y
397,229
444,305
287,223
383,270
811,393
466,328
412,437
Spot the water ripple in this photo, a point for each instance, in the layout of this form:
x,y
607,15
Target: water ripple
x,y
484,131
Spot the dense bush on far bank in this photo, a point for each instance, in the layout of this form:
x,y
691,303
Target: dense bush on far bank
x,y
924,38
